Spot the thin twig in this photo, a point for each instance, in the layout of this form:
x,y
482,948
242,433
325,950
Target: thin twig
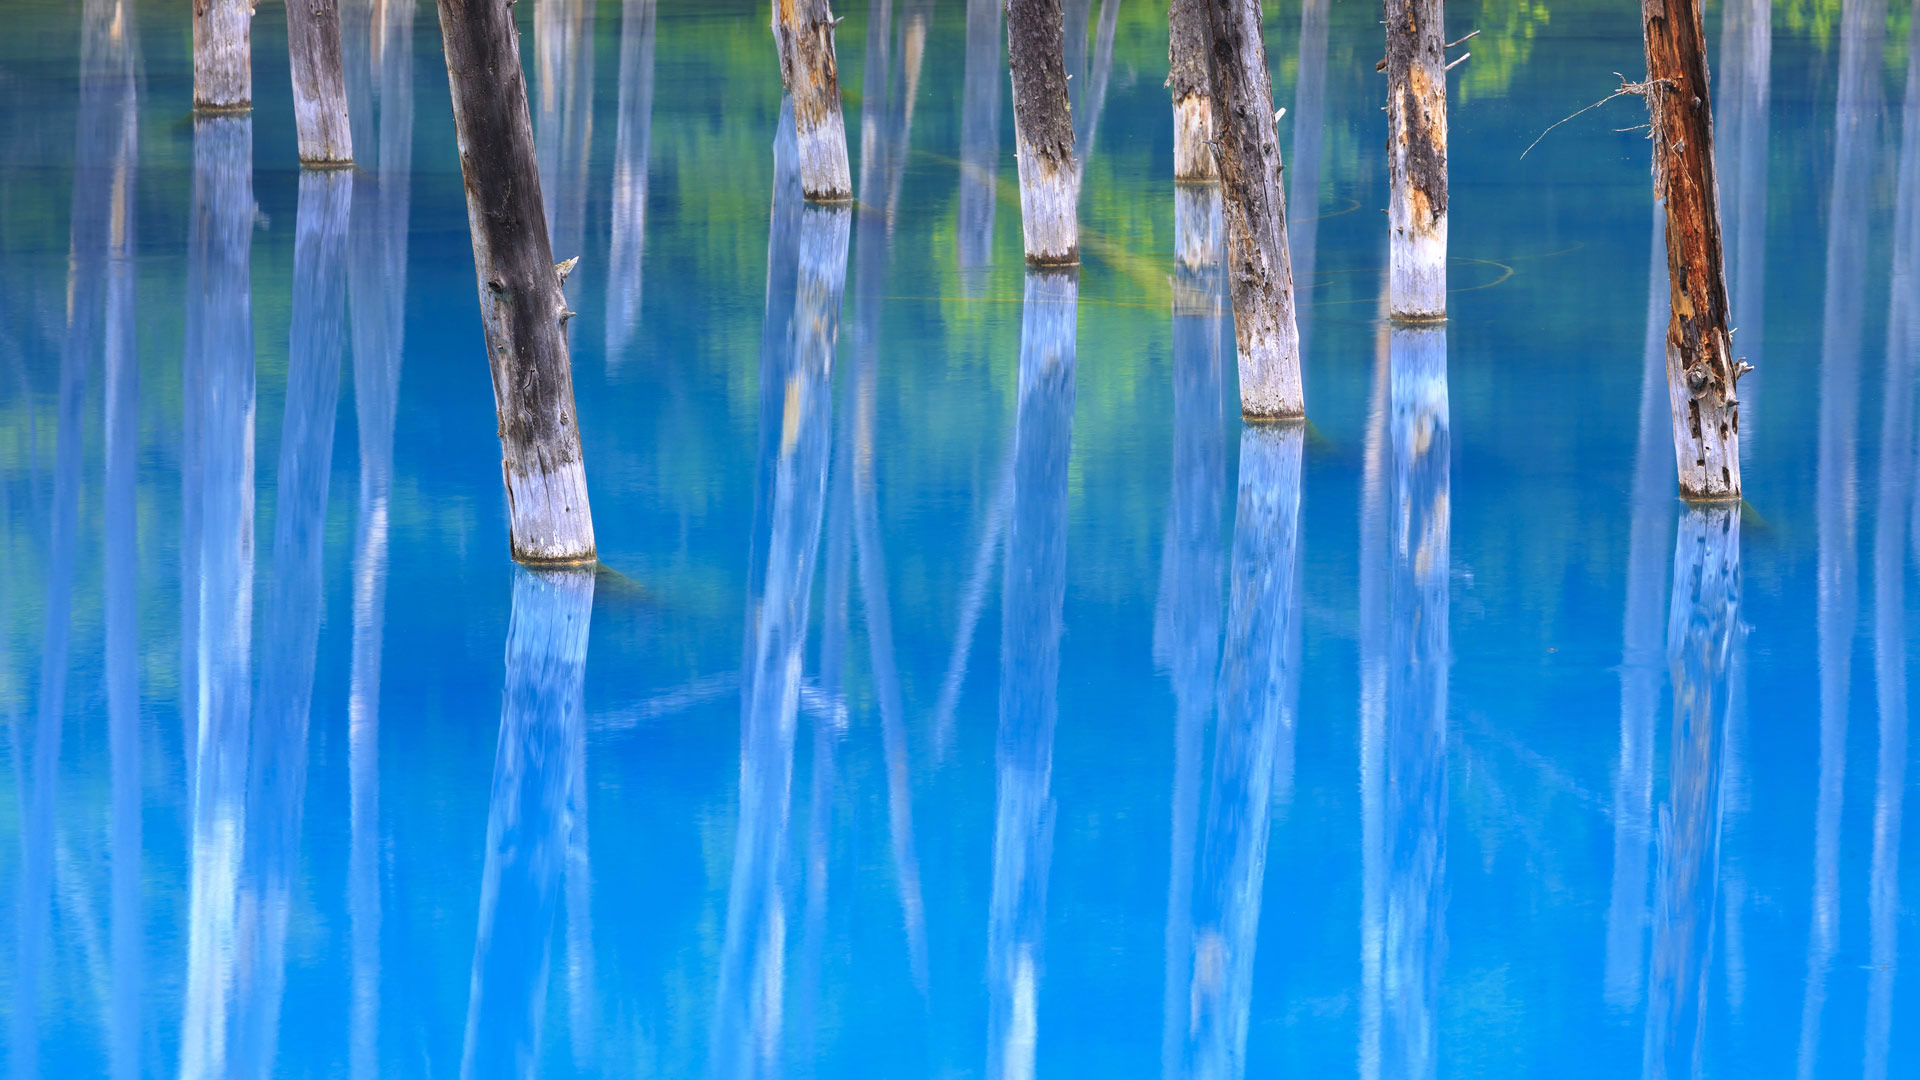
x,y
1463,59
1451,44
1640,89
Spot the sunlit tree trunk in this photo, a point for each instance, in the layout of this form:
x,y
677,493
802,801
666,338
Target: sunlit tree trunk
x,y
319,82
1188,84
1247,152
522,307
803,33
1701,372
222,55
1417,159
1043,133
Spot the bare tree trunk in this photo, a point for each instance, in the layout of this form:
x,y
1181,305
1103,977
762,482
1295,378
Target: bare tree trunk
x,y
521,304
1043,133
319,82
1247,152
1417,159
1701,375
803,33
222,55
1192,95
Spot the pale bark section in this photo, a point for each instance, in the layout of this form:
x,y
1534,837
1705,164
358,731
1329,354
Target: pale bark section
x,y
1192,132
1043,133
522,307
1701,372
1417,159
222,55
803,33
1248,156
319,82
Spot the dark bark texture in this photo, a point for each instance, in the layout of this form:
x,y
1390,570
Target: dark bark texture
x,y
1701,376
1036,48
521,303
319,82
1187,49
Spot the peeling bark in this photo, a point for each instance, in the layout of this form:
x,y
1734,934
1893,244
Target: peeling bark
x,y
222,55
319,82
803,33
1192,96
522,307
1247,152
1043,133
1417,158
1701,373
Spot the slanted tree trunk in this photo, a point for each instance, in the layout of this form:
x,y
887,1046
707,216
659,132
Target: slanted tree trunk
x,y
319,82
1701,375
803,33
222,55
1417,159
1043,133
522,307
1247,152
1191,92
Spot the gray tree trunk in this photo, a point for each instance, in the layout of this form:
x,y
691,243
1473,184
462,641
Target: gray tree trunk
x,y
1247,152
1417,159
1187,82
222,55
1701,372
522,307
803,34
319,82
1043,133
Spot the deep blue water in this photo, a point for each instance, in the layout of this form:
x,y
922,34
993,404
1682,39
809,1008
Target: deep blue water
x,y
965,690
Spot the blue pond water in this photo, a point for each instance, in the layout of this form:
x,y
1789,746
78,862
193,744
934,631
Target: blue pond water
x,y
966,691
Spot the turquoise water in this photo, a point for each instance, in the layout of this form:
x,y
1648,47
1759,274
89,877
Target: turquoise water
x,y
965,690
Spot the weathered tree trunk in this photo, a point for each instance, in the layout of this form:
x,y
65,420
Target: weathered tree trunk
x,y
1192,96
1043,133
1247,152
521,304
222,55
803,33
1417,159
1701,375
319,82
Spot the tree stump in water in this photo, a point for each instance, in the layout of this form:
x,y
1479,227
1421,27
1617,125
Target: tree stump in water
x,y
1043,133
803,33
1247,153
319,82
1417,159
522,307
222,55
1192,96
1701,375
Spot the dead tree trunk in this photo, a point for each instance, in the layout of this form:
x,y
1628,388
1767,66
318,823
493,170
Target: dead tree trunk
x,y
803,33
1043,133
319,82
522,307
1417,159
1247,152
1192,96
222,55
1701,375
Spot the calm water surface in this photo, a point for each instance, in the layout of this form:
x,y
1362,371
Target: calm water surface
x,y
966,691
